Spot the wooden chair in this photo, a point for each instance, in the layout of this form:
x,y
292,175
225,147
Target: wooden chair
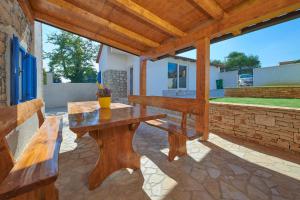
x,y
33,175
178,134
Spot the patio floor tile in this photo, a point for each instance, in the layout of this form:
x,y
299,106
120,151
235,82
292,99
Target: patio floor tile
x,y
221,168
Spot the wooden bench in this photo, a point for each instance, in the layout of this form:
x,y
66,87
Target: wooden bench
x,y
33,175
178,134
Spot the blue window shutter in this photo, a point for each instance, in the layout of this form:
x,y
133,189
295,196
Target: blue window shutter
x,y
24,75
14,72
99,77
34,77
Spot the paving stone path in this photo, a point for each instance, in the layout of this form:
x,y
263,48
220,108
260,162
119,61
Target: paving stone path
x,y
222,168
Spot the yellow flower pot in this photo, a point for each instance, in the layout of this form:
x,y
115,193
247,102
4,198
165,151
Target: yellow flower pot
x,y
104,102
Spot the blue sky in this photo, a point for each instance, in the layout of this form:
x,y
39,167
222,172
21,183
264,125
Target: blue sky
x,y
272,45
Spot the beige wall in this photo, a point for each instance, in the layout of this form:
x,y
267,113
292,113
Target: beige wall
x,y
59,94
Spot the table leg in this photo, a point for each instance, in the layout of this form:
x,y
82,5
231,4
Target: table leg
x,y
116,152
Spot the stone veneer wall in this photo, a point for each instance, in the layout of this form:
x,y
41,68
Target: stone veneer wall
x,y
116,80
277,127
269,126
12,22
267,92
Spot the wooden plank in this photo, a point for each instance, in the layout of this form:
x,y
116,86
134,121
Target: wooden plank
x,y
211,7
249,13
13,116
27,9
189,133
202,85
6,159
81,113
148,16
186,105
104,22
85,33
38,164
143,77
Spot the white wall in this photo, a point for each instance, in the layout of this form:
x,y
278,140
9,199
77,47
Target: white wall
x,y
284,74
230,79
59,94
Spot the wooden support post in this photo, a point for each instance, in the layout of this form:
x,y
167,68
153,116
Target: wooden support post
x,y
202,85
143,77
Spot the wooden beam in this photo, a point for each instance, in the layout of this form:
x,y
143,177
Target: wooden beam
x,y
148,16
143,77
26,7
250,13
202,85
211,7
103,22
85,33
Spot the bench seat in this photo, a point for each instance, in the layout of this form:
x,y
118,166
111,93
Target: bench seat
x,y
177,136
166,125
33,175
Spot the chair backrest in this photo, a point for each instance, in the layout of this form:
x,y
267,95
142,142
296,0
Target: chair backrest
x,y
10,118
184,105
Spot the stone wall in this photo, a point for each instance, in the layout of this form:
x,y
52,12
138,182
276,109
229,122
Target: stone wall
x,y
265,92
269,126
116,80
12,22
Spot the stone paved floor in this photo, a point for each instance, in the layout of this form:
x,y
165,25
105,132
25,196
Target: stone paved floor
x,y
222,168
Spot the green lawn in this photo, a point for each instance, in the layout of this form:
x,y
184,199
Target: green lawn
x,y
292,103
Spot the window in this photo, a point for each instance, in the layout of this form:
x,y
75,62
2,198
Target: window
x,y
177,76
23,74
182,76
172,75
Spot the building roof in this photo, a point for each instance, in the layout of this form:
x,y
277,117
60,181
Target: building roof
x,y
154,28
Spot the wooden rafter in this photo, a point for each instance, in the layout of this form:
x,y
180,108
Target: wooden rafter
x,y
85,33
148,16
211,7
252,12
103,22
26,7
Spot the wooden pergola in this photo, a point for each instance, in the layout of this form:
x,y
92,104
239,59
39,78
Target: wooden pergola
x,y
153,29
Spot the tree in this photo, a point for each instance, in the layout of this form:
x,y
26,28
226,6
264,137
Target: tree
x,y
72,57
238,61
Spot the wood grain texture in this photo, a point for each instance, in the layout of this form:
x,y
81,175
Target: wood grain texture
x,y
104,22
202,85
87,116
177,145
250,12
143,77
6,159
85,33
116,152
113,130
148,16
211,7
166,125
38,164
186,105
13,116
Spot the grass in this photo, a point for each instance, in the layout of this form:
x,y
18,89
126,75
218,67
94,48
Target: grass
x,y
292,103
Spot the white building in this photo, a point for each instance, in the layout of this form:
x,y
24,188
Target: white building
x,y
169,76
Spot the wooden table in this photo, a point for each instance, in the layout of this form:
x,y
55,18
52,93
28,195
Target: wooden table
x,y
113,129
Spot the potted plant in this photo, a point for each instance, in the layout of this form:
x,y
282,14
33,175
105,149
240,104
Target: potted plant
x,y
104,96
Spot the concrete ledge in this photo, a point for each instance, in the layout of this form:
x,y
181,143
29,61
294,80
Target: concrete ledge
x,y
264,92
